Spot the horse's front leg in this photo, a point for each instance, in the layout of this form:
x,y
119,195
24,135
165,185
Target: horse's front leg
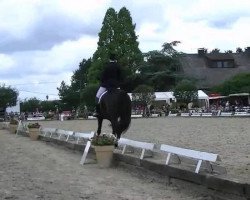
x,y
99,129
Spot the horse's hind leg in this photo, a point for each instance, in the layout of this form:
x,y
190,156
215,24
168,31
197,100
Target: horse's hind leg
x,y
99,129
114,124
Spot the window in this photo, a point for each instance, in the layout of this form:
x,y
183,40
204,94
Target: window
x,y
223,64
219,64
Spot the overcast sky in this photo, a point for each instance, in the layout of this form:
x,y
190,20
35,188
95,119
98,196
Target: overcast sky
x,y
43,41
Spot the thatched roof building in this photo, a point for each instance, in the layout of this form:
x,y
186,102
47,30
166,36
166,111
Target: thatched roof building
x,y
210,69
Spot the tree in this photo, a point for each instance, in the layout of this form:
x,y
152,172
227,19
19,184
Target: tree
x,y
168,48
160,70
30,105
239,50
47,106
71,94
105,45
186,92
129,54
79,79
117,36
143,94
216,50
237,84
88,95
8,96
68,96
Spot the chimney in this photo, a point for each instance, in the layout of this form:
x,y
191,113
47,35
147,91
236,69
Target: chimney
x,y
247,50
202,51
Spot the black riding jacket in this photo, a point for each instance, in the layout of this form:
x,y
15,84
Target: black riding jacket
x,y
111,76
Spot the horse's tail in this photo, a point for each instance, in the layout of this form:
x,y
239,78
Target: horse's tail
x,y
125,114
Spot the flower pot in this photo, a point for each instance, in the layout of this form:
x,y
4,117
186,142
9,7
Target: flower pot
x,y
13,128
34,133
104,155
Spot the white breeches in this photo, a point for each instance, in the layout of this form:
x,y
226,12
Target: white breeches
x,y
100,92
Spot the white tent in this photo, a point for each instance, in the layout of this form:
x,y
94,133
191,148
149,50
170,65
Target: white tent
x,y
203,97
161,96
166,96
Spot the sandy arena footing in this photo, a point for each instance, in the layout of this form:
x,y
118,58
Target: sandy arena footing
x,y
36,170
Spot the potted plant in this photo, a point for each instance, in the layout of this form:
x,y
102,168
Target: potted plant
x,y
104,146
13,125
34,130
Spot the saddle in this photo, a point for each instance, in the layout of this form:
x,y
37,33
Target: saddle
x,y
108,90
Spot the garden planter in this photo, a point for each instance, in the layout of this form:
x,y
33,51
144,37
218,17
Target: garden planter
x,y
104,155
13,128
34,133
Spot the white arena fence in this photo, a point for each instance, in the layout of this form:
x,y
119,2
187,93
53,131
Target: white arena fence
x,y
209,159
203,114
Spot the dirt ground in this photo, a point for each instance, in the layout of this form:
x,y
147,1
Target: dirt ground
x,y
36,170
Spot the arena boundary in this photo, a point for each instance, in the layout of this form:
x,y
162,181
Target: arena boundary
x,y
224,183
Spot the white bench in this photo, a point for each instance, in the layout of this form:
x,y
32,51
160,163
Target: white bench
x,y
142,145
241,114
64,133
195,114
22,127
84,136
45,130
136,116
88,144
155,115
226,114
170,114
197,155
185,114
206,114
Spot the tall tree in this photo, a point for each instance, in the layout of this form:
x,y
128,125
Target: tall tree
x,y
105,45
117,36
128,51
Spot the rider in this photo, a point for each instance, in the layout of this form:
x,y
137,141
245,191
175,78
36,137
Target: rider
x,y
111,77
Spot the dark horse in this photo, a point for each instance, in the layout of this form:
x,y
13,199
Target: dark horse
x,y
115,106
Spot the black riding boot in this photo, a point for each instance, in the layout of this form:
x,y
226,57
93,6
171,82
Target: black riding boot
x,y
97,110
